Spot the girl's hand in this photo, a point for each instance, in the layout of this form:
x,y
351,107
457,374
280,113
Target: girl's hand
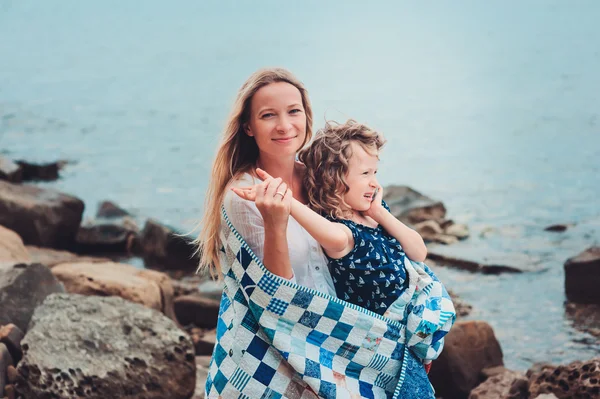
x,y
376,209
272,198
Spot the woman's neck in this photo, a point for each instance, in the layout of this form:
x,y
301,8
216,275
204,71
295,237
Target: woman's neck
x,y
278,167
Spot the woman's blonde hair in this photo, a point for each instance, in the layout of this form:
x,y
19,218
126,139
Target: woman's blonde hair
x,y
326,161
236,154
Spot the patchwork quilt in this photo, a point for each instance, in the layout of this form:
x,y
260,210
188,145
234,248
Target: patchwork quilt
x,y
277,339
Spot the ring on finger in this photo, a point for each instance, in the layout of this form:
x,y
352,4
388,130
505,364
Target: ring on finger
x,y
280,193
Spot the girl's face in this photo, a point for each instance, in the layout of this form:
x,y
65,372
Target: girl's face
x,y
362,168
277,120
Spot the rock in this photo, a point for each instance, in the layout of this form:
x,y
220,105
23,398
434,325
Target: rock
x,y
109,210
107,236
9,391
193,309
162,247
412,207
460,231
462,308
204,340
557,228
498,386
45,171
10,171
576,380
469,265
11,374
5,361
42,217
146,287
470,347
582,277
11,336
52,257
585,317
11,247
431,231
202,364
211,289
22,288
104,348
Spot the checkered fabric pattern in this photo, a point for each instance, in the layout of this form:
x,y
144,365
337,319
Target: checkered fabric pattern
x,y
276,339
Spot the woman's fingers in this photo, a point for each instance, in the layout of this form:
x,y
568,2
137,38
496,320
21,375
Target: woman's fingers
x,y
247,193
272,188
281,192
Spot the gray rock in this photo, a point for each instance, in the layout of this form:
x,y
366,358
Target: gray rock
x,y
42,217
194,309
582,277
411,206
164,248
100,236
22,288
110,210
104,347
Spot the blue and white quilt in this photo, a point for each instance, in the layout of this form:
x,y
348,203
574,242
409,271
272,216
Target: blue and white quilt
x,y
276,339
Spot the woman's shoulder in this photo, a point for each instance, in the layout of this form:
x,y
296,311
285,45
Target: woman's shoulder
x,y
234,205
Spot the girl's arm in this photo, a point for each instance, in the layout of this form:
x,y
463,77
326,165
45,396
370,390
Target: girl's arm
x,y
335,238
412,243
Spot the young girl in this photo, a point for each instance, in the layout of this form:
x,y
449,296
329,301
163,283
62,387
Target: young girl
x,y
366,245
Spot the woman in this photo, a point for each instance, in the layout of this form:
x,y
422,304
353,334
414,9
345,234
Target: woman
x,y
270,122
281,331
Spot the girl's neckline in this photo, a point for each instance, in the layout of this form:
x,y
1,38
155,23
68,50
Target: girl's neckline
x,y
378,227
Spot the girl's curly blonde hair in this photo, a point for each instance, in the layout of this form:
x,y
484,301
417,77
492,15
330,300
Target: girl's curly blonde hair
x,y
326,160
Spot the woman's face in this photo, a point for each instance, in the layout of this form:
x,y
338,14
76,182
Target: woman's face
x,y
362,168
277,120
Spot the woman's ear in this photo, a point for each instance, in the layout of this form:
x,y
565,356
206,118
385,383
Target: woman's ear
x,y
247,130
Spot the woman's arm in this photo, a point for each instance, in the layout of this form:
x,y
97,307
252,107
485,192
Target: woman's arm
x,y
335,238
412,243
267,237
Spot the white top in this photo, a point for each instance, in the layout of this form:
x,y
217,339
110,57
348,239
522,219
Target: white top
x,y
306,256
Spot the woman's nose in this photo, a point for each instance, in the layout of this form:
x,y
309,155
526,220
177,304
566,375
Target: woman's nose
x,y
284,124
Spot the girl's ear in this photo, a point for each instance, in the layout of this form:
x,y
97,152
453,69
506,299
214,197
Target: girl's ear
x,y
247,130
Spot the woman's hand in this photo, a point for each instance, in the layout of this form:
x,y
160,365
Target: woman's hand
x,y
272,198
376,209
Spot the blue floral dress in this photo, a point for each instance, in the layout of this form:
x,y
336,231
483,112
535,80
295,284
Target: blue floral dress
x,y
372,275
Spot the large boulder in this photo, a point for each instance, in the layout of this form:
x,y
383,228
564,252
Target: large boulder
x,y
577,380
470,347
146,287
23,287
95,347
411,206
164,248
52,257
582,277
197,310
101,236
42,217
41,171
11,247
504,384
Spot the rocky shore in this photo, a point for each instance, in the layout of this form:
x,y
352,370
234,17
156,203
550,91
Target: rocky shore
x,y
76,320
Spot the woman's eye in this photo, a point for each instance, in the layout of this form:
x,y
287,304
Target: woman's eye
x,y
267,115
295,111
